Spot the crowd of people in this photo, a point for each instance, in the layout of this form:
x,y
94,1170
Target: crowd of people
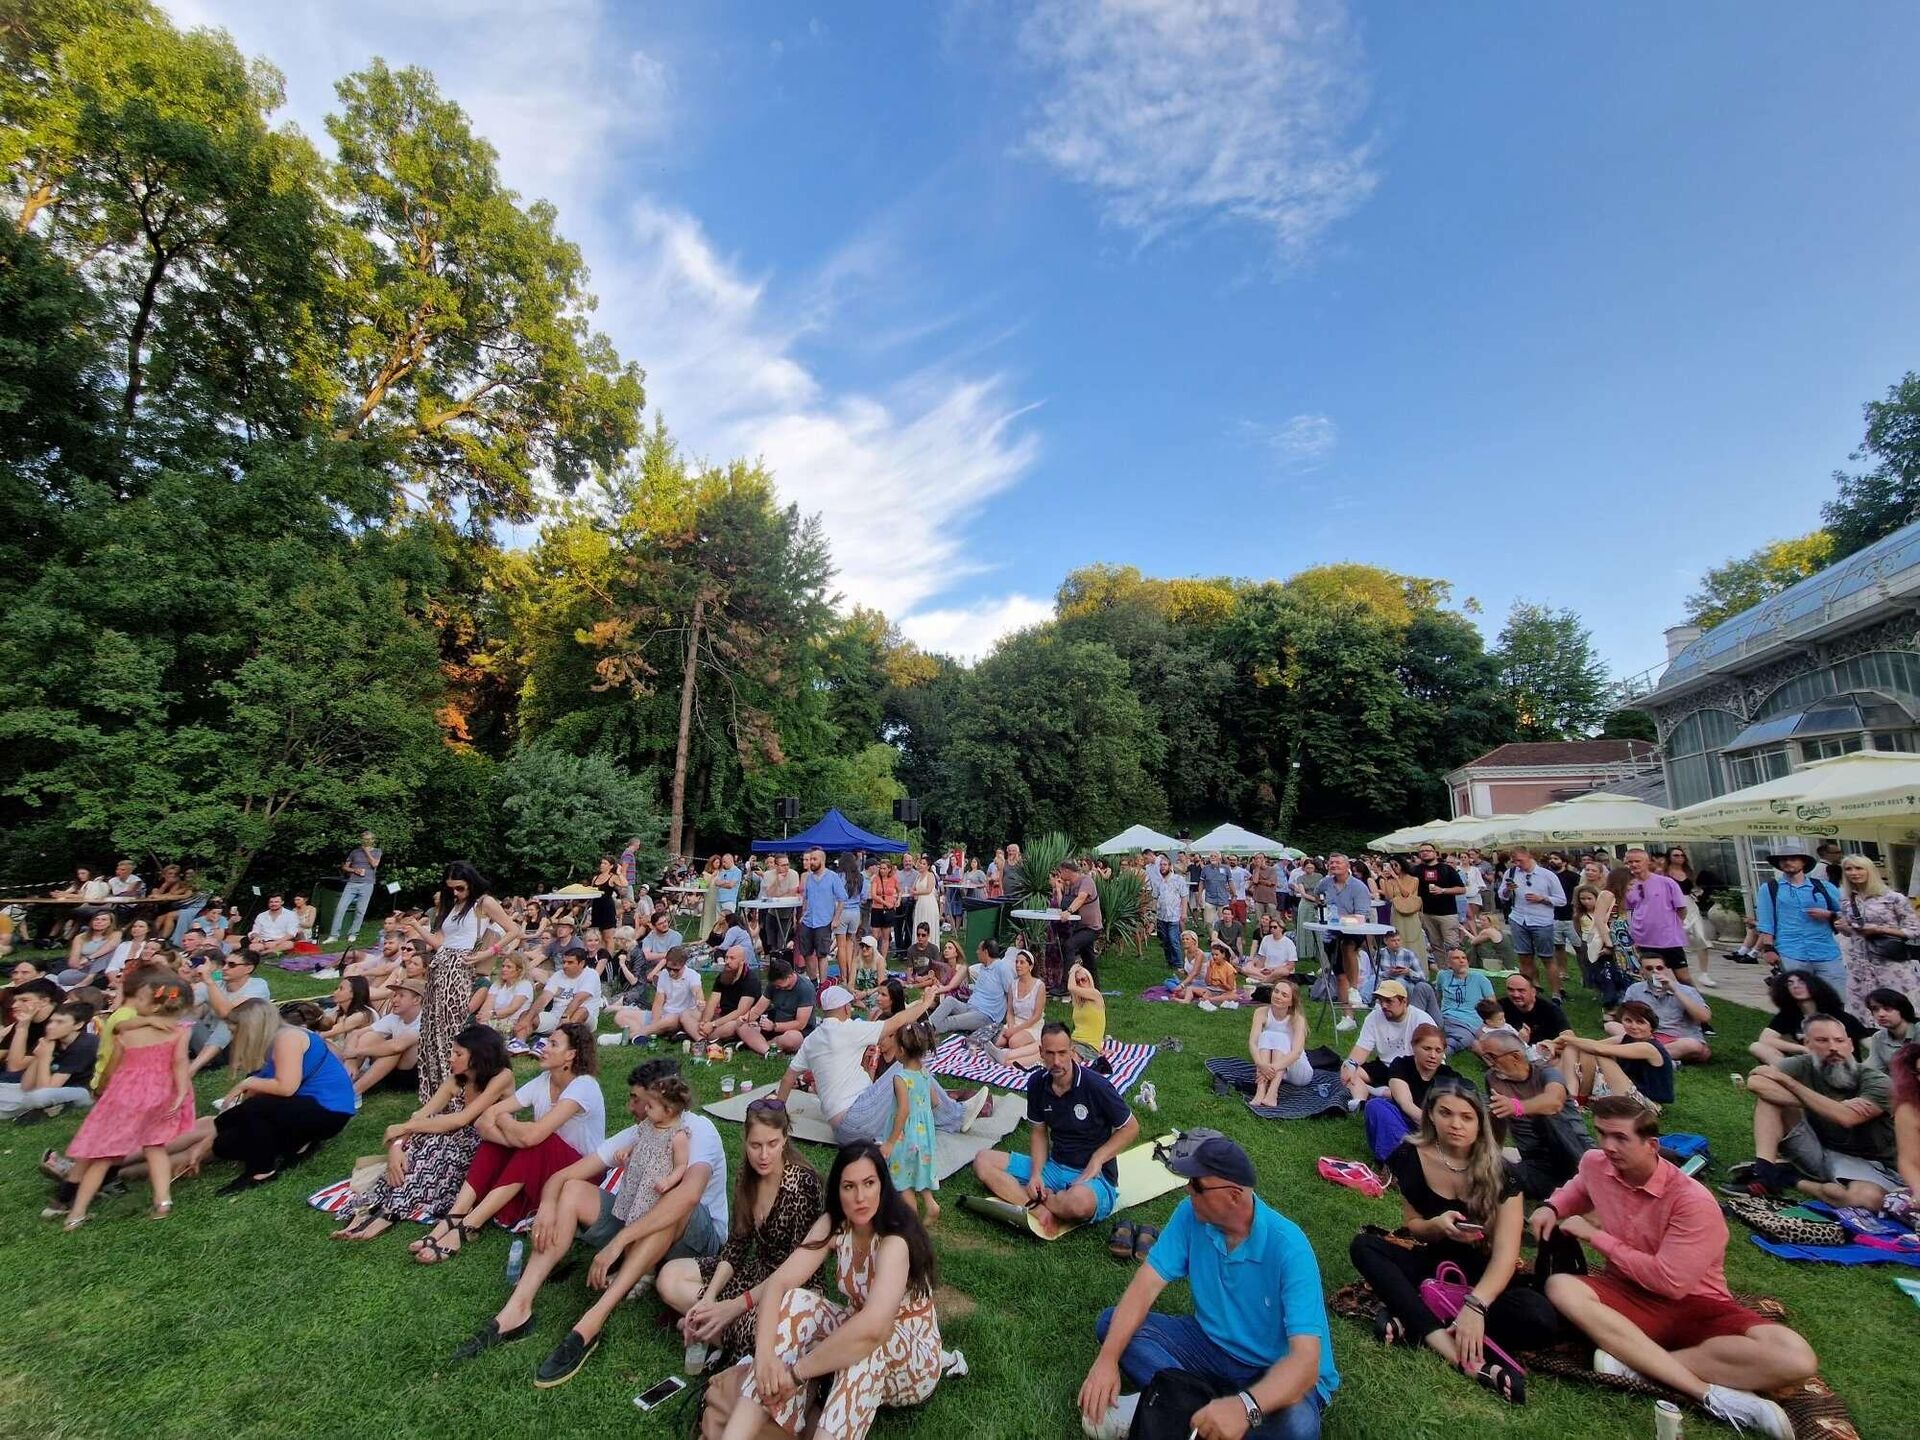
x,y
1474,1092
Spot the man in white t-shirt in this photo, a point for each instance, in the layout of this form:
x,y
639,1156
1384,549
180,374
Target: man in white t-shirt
x,y
390,1046
677,1003
1275,957
573,994
1384,1038
834,1050
275,929
688,1223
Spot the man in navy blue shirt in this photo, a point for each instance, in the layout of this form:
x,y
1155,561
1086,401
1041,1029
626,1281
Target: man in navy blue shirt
x,y
1079,1125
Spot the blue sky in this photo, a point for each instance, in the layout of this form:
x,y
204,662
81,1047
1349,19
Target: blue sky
x,y
1557,303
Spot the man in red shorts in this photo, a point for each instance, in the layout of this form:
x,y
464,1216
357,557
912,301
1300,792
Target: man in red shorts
x,y
1661,1309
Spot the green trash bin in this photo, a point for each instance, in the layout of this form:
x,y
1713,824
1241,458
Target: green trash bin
x,y
982,920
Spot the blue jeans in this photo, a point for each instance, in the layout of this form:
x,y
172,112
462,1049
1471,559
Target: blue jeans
x,y
1176,1342
355,893
1386,1123
1170,941
1834,972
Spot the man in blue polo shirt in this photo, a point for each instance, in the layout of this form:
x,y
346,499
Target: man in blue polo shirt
x,y
1079,1125
1258,1333
823,899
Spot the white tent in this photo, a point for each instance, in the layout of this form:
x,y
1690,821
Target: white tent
x,y
1406,837
1234,840
1595,819
1136,837
1471,831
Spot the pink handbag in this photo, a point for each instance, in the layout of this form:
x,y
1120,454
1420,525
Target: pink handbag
x,y
1446,1296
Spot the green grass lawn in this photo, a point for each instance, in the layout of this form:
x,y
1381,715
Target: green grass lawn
x,y
239,1318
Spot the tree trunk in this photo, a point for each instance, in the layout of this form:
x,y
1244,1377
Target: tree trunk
x,y
38,199
137,336
1289,787
681,744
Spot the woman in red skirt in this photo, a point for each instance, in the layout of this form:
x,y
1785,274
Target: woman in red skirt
x,y
517,1157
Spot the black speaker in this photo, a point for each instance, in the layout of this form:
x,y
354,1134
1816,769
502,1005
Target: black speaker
x,y
907,811
787,807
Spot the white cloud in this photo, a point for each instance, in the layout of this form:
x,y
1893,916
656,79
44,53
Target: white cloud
x,y
896,477
1302,442
1184,110
967,632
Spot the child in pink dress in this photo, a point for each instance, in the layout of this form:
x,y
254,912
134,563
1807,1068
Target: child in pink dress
x,y
147,1102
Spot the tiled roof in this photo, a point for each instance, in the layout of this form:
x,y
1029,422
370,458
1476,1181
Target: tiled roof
x,y
1524,754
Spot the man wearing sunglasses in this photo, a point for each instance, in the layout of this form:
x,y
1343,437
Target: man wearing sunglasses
x,y
1258,1335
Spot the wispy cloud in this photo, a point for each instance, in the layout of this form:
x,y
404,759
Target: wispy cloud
x,y
969,631
1300,443
1183,111
896,475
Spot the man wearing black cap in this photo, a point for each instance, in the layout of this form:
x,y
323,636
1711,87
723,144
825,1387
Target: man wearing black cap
x,y
1258,1333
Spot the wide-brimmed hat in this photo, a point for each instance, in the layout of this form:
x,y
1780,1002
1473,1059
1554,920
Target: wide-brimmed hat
x,y
1792,847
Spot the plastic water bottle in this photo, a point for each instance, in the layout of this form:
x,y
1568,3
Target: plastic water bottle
x,y
516,1260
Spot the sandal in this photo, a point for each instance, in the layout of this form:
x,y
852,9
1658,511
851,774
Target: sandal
x,y
1506,1380
160,1210
1143,1239
435,1234
1386,1329
73,1223
435,1252
1120,1240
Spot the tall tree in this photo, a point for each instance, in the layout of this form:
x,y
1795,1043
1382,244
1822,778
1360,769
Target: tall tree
x,y
468,359
1558,682
1740,584
1878,501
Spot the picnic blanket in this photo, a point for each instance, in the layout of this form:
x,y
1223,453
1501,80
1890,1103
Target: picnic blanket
x,y
952,1152
1814,1410
337,1199
1852,1254
1142,1178
1165,992
1127,1061
1324,1095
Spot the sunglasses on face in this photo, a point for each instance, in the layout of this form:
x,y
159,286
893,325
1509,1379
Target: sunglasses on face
x,y
1194,1187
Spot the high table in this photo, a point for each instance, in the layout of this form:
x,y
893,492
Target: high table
x,y
776,924
1053,957
1332,929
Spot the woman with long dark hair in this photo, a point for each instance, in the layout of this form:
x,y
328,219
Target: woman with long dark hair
x,y
776,1200
1797,996
464,911
1460,1205
428,1153
883,1348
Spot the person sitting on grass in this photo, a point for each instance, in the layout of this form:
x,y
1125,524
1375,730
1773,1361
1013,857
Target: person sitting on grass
x,y
510,997
516,1158
1391,1117
376,966
275,930
571,997
1386,1035
1636,1064
1277,1040
1893,1013
1536,1017
1079,1126
1822,1124
677,1003
834,1051
1532,1107
737,1003
871,1115
1257,1338
59,1070
1275,957
784,1024
880,1349
631,1229
429,1152
1798,995
219,988
776,1199
1461,1205
1680,1014
1461,989
1661,1310
352,1011
1493,1021
936,972
386,1052
1211,979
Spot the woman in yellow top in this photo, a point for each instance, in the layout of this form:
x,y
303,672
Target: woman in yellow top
x,y
1089,1014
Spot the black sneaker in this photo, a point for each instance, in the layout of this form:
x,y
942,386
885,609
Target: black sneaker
x,y
565,1361
490,1335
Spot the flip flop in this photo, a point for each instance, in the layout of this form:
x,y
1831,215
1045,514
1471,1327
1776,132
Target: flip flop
x,y
1121,1240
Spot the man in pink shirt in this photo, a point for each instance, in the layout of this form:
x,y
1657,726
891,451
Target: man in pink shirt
x,y
1656,914
1661,1309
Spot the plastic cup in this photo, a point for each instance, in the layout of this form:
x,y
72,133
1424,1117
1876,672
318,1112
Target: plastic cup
x,y
726,1085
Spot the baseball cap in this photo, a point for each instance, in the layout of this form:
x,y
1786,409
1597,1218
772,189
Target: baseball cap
x,y
867,942
1199,1154
835,997
1389,987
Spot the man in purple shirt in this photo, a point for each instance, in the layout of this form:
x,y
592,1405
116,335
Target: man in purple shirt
x,y
1655,911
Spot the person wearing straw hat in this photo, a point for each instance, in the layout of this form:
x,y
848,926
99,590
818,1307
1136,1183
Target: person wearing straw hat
x,y
1794,915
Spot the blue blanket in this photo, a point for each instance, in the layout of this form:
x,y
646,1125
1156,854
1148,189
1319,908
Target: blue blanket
x,y
1838,1254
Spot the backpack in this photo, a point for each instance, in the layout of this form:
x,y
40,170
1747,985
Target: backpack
x,y
1167,1405
1827,902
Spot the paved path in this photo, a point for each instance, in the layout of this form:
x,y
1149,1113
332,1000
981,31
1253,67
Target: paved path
x,y
1742,984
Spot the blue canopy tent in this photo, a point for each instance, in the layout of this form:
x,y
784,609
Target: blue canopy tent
x,y
833,831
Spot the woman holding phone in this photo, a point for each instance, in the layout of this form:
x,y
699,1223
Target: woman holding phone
x,y
1459,1204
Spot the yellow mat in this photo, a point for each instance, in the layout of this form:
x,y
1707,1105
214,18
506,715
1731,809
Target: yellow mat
x,y
1142,1178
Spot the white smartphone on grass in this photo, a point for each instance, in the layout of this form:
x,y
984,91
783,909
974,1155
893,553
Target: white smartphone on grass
x,y
660,1394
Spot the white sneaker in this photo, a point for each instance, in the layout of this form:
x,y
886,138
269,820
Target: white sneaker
x,y
1606,1364
328,974
612,1037
1150,1097
972,1107
1745,1410
953,1364
1115,1424
1347,1022
1708,982
1207,1005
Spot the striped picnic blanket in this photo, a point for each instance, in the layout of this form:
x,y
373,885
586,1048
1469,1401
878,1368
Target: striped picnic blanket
x,y
953,1059
337,1199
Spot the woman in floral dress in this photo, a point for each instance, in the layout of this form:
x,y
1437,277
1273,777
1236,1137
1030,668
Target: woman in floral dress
x,y
881,1349
1874,925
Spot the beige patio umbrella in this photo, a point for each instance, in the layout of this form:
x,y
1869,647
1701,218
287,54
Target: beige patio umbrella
x,y
1872,793
1592,819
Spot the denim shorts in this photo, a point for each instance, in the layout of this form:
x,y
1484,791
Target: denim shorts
x,y
1064,1177
1536,940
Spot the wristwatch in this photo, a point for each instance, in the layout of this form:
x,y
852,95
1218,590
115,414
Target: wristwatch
x,y
1254,1415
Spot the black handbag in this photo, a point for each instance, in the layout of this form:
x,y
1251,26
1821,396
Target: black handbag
x,y
1890,949
1167,1405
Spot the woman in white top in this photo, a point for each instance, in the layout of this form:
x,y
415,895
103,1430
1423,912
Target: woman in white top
x,y
1278,1042
1026,1012
465,909
516,1158
509,996
1275,956
926,899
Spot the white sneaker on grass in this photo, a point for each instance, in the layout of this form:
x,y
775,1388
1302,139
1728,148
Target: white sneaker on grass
x,y
1746,1411
1115,1424
1347,1022
1207,1005
972,1106
1607,1364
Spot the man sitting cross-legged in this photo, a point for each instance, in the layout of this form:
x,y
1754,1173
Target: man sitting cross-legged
x,y
1079,1125
1384,1038
677,1003
390,1045
1661,1309
1257,1338
737,1002
689,1221
571,997
1826,1116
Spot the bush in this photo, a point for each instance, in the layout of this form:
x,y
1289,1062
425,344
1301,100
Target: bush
x,y
562,812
